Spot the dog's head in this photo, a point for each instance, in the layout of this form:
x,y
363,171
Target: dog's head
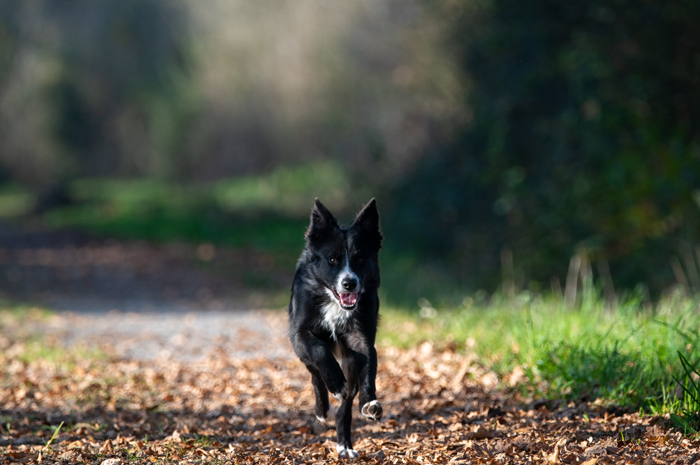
x,y
345,260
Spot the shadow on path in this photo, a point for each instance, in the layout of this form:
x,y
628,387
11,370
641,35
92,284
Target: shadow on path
x,y
142,301
69,270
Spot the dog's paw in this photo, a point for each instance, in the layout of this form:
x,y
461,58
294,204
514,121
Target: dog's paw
x,y
372,410
340,392
346,452
328,417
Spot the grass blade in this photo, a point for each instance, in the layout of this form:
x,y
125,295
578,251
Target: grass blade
x,y
53,436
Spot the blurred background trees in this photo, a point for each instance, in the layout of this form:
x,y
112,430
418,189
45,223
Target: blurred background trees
x,y
502,138
583,139
194,92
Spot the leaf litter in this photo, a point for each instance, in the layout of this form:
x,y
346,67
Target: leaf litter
x,y
440,407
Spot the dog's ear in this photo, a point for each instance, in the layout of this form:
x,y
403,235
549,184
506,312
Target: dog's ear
x,y
321,221
368,220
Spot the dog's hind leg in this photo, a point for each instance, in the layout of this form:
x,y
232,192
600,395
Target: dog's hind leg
x,y
324,410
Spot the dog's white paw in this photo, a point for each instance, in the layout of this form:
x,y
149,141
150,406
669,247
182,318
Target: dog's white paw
x,y
329,417
372,410
338,396
346,453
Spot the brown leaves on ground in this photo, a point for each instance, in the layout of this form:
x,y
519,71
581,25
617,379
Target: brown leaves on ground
x,y
261,411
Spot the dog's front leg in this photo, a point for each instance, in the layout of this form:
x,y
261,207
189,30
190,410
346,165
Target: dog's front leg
x,y
367,369
343,423
319,360
343,417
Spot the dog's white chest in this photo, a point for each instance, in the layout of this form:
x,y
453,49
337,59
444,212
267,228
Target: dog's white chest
x,y
335,317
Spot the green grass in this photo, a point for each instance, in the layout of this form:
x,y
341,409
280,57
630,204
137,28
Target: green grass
x,y
155,211
53,436
686,418
626,356
15,201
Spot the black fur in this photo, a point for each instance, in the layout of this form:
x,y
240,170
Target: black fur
x,y
333,331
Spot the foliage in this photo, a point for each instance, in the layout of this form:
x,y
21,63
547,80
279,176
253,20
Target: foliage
x,y
92,89
186,92
488,129
584,136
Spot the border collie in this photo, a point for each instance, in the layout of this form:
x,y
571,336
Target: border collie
x,y
333,315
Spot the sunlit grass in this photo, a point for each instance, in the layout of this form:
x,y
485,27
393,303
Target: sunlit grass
x,y
687,416
20,342
626,355
160,212
15,201
286,191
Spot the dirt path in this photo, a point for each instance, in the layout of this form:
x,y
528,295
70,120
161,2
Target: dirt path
x,y
196,376
173,334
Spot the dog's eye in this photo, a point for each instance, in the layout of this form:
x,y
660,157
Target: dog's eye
x,y
360,260
333,260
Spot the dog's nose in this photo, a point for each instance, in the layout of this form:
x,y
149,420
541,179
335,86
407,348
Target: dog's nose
x,y
349,284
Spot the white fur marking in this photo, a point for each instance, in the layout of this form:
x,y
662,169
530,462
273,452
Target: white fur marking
x,y
334,316
347,453
365,410
346,272
330,416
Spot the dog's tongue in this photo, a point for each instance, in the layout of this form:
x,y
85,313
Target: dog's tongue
x,y
348,299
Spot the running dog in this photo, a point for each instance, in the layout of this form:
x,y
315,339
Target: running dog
x,y
333,315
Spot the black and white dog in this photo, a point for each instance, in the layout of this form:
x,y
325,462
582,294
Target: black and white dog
x,y
333,315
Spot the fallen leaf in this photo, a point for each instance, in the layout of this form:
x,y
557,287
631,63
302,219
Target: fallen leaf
x,y
489,380
480,433
112,461
455,427
75,445
553,458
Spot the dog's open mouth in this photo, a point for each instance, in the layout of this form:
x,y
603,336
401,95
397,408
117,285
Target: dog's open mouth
x,y
348,300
